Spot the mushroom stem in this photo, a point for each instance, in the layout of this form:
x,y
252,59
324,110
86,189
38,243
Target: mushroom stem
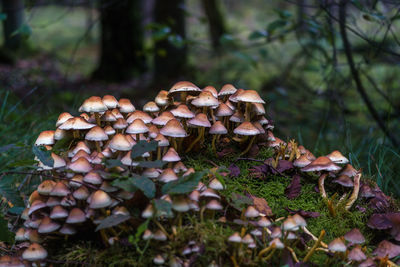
x,y
158,152
183,97
249,146
137,138
212,115
174,144
270,254
247,111
354,195
213,144
265,250
103,237
97,116
321,187
233,259
75,134
313,236
194,141
98,146
294,256
312,250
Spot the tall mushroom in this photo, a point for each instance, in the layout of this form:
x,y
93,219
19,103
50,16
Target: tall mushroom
x,y
95,106
247,129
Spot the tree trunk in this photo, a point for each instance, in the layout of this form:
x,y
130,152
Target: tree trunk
x,y
170,60
216,21
14,10
122,36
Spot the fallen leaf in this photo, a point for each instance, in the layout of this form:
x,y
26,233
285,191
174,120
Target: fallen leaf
x,y
284,165
259,171
261,205
379,221
303,213
234,170
224,152
254,150
294,188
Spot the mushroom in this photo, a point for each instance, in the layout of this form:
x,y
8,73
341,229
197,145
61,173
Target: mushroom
x,y
95,105
96,134
249,97
75,124
201,122
137,127
227,90
183,87
173,129
247,129
35,253
216,130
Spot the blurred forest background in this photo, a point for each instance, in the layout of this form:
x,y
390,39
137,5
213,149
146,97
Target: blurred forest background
x,y
328,69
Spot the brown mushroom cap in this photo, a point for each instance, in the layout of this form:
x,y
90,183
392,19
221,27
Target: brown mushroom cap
x,y
205,99
258,108
237,116
45,138
218,128
138,114
200,120
354,236
137,127
349,171
162,98
223,110
46,187
96,134
344,180
120,124
162,119
48,226
76,123
182,111
167,176
125,106
171,156
34,252
183,86
151,107
337,245
58,212
99,199
76,215
337,157
80,165
93,104
60,190
227,89
173,128
302,161
250,96
246,128
110,101
120,142
356,254
63,117
162,141
212,90
321,164
386,248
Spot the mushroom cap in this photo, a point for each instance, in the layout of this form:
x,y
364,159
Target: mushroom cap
x,y
76,215
58,212
162,141
218,128
163,119
354,236
277,242
60,134
115,112
60,190
299,220
249,96
67,229
100,199
205,99
148,212
290,225
337,157
251,212
246,128
110,101
80,165
264,222
34,252
109,116
216,185
36,205
182,111
151,107
125,106
167,176
200,120
259,127
237,116
356,254
93,178
321,164
48,226
76,123
344,180
179,167
158,260
180,205
46,187
302,161
227,89
138,114
349,170
233,97
120,123
109,130
337,245
183,86
93,104
223,110
137,127
63,117
45,138
96,134
81,154
151,173
386,248
171,156
235,238
214,205
162,98
258,108
212,90
120,142
82,193
173,128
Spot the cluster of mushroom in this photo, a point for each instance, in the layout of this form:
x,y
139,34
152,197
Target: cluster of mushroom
x,y
325,166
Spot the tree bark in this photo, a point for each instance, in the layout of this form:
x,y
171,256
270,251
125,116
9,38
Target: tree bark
x,y
122,38
170,61
216,22
14,10
359,86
